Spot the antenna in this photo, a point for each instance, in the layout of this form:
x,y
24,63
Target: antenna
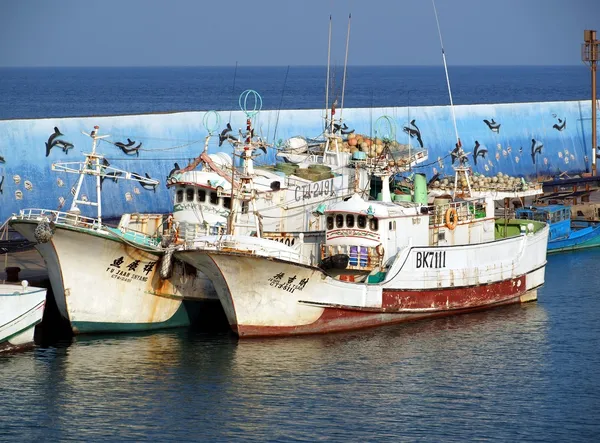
x,y
233,87
446,69
345,66
327,81
280,104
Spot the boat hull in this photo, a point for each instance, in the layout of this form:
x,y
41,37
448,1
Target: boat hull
x,y
588,237
102,284
265,296
20,311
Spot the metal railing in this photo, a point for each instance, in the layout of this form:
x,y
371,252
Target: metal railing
x,y
70,219
58,217
466,211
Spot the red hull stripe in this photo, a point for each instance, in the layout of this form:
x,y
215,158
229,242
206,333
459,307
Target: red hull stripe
x,y
452,298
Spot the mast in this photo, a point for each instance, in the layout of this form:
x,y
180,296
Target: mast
x,y
462,156
345,67
327,80
95,165
447,76
590,54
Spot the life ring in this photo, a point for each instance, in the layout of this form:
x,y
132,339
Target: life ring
x,y
451,218
380,250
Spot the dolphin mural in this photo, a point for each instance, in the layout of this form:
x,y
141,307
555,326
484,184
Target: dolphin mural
x,y
127,147
54,141
536,148
414,133
479,151
494,127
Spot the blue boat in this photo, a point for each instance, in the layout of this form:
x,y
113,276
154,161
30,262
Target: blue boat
x,y
565,234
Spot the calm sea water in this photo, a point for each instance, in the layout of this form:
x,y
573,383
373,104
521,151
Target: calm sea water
x,y
519,373
61,92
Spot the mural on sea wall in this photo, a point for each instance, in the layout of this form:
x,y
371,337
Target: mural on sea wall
x,y
524,139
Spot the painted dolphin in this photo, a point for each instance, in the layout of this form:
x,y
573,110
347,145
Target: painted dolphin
x,y
2,159
174,170
535,149
479,151
224,135
561,126
127,149
51,143
494,127
414,132
143,183
2,185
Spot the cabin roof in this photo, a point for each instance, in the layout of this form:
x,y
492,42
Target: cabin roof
x,y
356,204
548,209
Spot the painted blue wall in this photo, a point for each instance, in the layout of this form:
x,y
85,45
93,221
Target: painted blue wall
x,y
179,137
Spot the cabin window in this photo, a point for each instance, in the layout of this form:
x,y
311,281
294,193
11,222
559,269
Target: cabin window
x,y
374,224
339,221
579,213
189,195
540,216
227,202
214,198
567,214
555,217
362,221
201,195
180,196
394,225
245,207
350,221
330,222
391,227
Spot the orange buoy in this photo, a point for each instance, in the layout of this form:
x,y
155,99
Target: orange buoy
x,y
347,277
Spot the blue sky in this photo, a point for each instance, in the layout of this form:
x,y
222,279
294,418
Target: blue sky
x,y
292,32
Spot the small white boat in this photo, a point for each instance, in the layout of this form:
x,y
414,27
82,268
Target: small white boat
x,y
21,308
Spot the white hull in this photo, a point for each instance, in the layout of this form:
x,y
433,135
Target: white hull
x,y
102,284
20,310
266,296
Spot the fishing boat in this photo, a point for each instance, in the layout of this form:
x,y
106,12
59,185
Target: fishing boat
x,y
382,262
566,234
21,309
110,279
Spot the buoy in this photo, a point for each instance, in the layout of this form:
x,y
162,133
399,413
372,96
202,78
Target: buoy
x,y
347,277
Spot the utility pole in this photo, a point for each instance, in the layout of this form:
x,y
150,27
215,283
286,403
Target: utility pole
x,y
589,54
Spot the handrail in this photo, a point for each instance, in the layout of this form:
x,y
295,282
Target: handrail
x,y
70,219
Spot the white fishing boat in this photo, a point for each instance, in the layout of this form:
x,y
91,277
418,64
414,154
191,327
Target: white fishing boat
x,y
21,309
382,262
108,279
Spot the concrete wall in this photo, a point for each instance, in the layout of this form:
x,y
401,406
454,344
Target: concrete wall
x,y
561,128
